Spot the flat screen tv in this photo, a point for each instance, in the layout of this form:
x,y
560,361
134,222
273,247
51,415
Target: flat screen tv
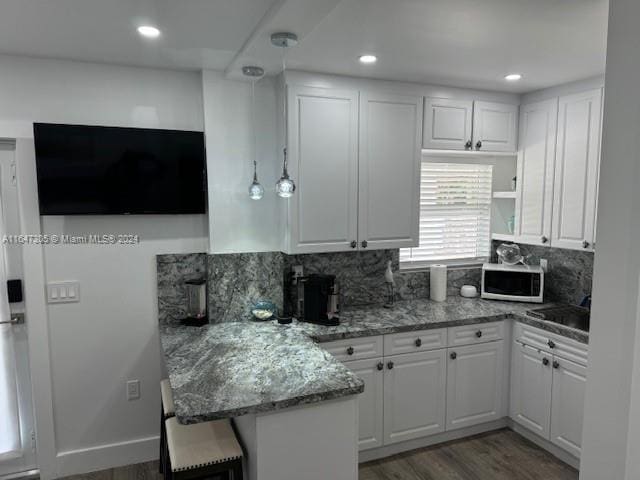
x,y
89,170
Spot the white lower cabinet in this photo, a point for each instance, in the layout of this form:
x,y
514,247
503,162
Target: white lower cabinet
x,y
567,405
370,401
547,396
474,384
531,388
414,395
450,381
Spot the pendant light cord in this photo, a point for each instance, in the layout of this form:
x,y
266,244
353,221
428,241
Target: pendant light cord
x,y
253,130
284,110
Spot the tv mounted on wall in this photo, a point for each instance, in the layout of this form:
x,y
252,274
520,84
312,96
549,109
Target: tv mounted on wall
x,y
92,170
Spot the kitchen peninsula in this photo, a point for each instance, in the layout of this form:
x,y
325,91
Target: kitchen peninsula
x,y
290,398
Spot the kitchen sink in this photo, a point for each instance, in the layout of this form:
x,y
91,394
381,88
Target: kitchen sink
x,y
567,315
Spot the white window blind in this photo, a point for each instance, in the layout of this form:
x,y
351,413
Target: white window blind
x,y
455,215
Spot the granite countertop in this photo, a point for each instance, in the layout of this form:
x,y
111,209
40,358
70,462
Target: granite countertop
x,y
231,369
423,314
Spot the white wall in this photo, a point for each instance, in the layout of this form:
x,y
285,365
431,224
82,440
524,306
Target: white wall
x,y
242,224
111,335
611,437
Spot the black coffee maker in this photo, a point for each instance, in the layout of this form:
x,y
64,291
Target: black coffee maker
x,y
318,299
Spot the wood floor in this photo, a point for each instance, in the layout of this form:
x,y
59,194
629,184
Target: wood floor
x,y
500,455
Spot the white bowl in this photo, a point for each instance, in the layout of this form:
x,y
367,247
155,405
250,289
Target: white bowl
x,y
468,291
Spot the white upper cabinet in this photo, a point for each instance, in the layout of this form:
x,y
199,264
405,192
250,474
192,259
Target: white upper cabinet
x,y
576,170
323,159
494,126
355,157
536,156
447,124
389,170
452,124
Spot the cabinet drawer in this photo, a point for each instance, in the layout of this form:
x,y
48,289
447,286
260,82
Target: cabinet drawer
x,y
553,343
355,348
477,333
418,341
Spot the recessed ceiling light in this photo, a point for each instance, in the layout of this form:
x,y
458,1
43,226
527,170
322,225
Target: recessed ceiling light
x,y
513,77
368,59
148,31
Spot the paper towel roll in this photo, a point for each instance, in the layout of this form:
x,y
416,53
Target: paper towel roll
x,y
438,283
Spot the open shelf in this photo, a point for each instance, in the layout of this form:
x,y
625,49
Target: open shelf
x,y
466,153
504,195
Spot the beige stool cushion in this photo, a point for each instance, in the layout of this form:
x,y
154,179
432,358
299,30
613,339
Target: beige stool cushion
x,y
201,444
167,398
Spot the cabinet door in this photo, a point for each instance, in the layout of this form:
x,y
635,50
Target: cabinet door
x,y
414,395
474,384
323,149
389,170
495,126
536,156
370,411
531,374
567,405
447,124
576,170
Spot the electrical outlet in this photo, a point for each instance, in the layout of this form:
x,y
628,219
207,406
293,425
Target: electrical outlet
x,y
133,390
298,272
544,264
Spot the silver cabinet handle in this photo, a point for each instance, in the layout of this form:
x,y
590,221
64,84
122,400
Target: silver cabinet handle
x,y
468,145
544,239
585,244
16,319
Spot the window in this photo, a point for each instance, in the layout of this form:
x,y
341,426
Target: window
x,y
455,215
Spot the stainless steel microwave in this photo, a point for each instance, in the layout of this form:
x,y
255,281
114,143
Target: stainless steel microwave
x,y
516,283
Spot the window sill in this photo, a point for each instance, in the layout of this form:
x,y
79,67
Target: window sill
x,y
411,268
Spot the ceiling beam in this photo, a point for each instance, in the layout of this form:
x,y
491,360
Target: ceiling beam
x,y
259,29
296,16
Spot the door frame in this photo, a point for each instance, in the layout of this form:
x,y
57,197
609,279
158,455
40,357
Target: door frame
x,y
35,308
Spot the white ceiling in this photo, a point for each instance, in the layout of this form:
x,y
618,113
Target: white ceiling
x,y
471,43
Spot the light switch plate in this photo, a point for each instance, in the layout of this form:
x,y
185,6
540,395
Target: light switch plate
x,y
63,292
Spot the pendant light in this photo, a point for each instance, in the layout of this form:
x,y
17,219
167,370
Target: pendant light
x,y
285,186
256,191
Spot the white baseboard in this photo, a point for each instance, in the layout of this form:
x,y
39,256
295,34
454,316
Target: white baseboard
x,y
545,444
388,450
101,457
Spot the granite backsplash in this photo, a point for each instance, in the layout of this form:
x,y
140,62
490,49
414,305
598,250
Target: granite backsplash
x,y
172,272
237,280
234,281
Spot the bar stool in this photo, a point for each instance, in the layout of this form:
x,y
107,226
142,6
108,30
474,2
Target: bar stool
x,y
202,450
167,410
